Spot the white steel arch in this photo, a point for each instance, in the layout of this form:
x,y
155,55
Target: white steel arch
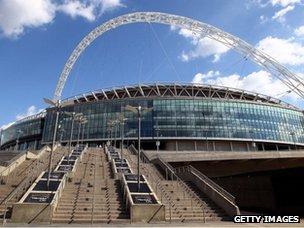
x,y
290,79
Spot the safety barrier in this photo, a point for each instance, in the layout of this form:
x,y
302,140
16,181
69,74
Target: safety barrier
x,y
39,202
142,203
219,195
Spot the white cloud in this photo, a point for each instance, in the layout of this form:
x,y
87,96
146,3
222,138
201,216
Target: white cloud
x,y
299,31
89,9
32,110
261,82
199,77
107,5
280,15
286,51
282,7
16,15
284,3
263,19
277,3
203,47
77,8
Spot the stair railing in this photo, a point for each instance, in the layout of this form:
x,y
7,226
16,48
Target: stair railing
x,y
157,185
193,195
93,200
214,185
6,178
36,166
219,195
22,186
173,175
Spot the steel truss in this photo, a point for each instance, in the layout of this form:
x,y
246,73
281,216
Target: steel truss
x,y
161,90
290,79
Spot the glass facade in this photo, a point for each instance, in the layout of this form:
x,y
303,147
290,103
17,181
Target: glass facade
x,y
184,118
25,129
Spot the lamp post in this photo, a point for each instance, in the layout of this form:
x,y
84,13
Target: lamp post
x,y
206,135
157,137
61,133
83,128
18,136
109,135
122,132
111,124
57,105
74,115
60,130
138,110
115,131
79,120
292,133
252,138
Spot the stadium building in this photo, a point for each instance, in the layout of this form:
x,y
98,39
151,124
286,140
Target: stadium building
x,y
239,149
252,145
183,117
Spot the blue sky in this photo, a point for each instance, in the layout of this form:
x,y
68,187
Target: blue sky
x,y
37,36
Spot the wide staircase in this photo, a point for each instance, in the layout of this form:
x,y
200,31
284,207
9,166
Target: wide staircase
x,y
20,179
183,201
92,196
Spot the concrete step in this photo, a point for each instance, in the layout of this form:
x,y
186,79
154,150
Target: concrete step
x,y
85,214
108,220
89,205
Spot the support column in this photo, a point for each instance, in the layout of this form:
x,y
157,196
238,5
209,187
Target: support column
x,y
231,146
35,145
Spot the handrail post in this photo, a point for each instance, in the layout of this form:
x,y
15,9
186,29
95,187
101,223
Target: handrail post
x,y
166,174
161,196
4,215
204,214
191,203
170,211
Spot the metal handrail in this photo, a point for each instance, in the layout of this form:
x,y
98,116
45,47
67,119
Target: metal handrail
x,y
180,181
12,160
207,180
2,177
24,184
36,163
156,182
19,190
144,157
163,193
10,163
93,201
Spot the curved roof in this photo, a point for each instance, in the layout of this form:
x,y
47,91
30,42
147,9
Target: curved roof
x,y
41,114
176,90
